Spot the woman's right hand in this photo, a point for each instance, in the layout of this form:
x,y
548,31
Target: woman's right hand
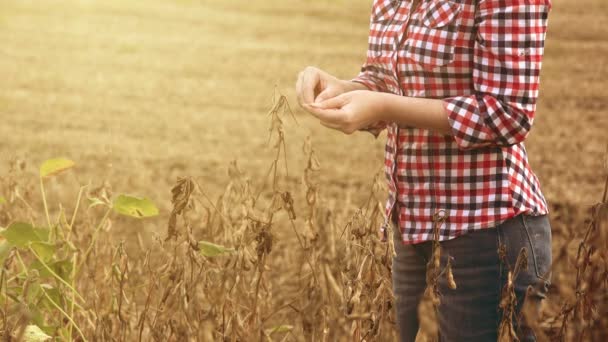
x,y
316,85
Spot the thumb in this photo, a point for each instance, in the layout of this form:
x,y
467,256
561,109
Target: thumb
x,y
328,93
335,102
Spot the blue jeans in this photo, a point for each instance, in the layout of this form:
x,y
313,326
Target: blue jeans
x,y
471,312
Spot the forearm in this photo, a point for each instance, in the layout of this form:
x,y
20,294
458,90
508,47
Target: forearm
x,y
357,110
417,112
352,86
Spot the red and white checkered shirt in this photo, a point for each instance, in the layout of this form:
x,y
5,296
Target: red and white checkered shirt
x,y
483,59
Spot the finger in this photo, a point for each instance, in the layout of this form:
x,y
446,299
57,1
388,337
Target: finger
x,y
309,83
299,88
328,93
333,116
332,103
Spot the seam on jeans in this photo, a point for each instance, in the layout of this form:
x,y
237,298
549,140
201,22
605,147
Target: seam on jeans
x,y
527,230
500,275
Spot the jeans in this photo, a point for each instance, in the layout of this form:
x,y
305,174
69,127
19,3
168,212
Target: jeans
x,y
471,312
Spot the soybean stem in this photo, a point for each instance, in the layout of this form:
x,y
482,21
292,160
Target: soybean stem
x,y
64,313
46,208
94,238
55,275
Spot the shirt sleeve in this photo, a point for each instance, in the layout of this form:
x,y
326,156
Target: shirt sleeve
x,y
373,77
507,60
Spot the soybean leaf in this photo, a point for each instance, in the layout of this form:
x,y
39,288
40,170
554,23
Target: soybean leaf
x,y
62,268
42,271
33,333
279,329
52,167
44,250
209,249
54,295
32,292
134,206
21,234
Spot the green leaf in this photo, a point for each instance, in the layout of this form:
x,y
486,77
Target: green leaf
x,y
42,271
44,250
134,206
32,292
54,294
279,329
52,167
2,200
62,268
209,249
34,334
21,234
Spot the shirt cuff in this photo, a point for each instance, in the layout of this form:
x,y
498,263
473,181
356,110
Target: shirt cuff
x,y
467,125
371,82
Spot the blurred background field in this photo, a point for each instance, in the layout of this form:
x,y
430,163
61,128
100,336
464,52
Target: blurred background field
x,y
141,92
137,92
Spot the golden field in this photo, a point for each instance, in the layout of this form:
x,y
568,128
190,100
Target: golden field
x,y
133,90
139,93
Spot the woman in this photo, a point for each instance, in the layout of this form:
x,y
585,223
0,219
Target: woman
x,y
455,84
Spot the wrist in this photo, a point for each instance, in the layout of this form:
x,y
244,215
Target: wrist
x,y
352,86
383,106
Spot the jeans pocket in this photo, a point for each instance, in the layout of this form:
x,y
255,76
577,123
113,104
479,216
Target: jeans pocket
x,y
538,232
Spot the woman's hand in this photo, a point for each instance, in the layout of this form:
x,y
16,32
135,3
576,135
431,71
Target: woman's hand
x,y
316,85
350,111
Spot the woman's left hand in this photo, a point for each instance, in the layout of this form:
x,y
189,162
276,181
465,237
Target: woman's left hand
x,y
350,111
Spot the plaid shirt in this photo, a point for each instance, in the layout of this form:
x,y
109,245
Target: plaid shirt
x,y
482,58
